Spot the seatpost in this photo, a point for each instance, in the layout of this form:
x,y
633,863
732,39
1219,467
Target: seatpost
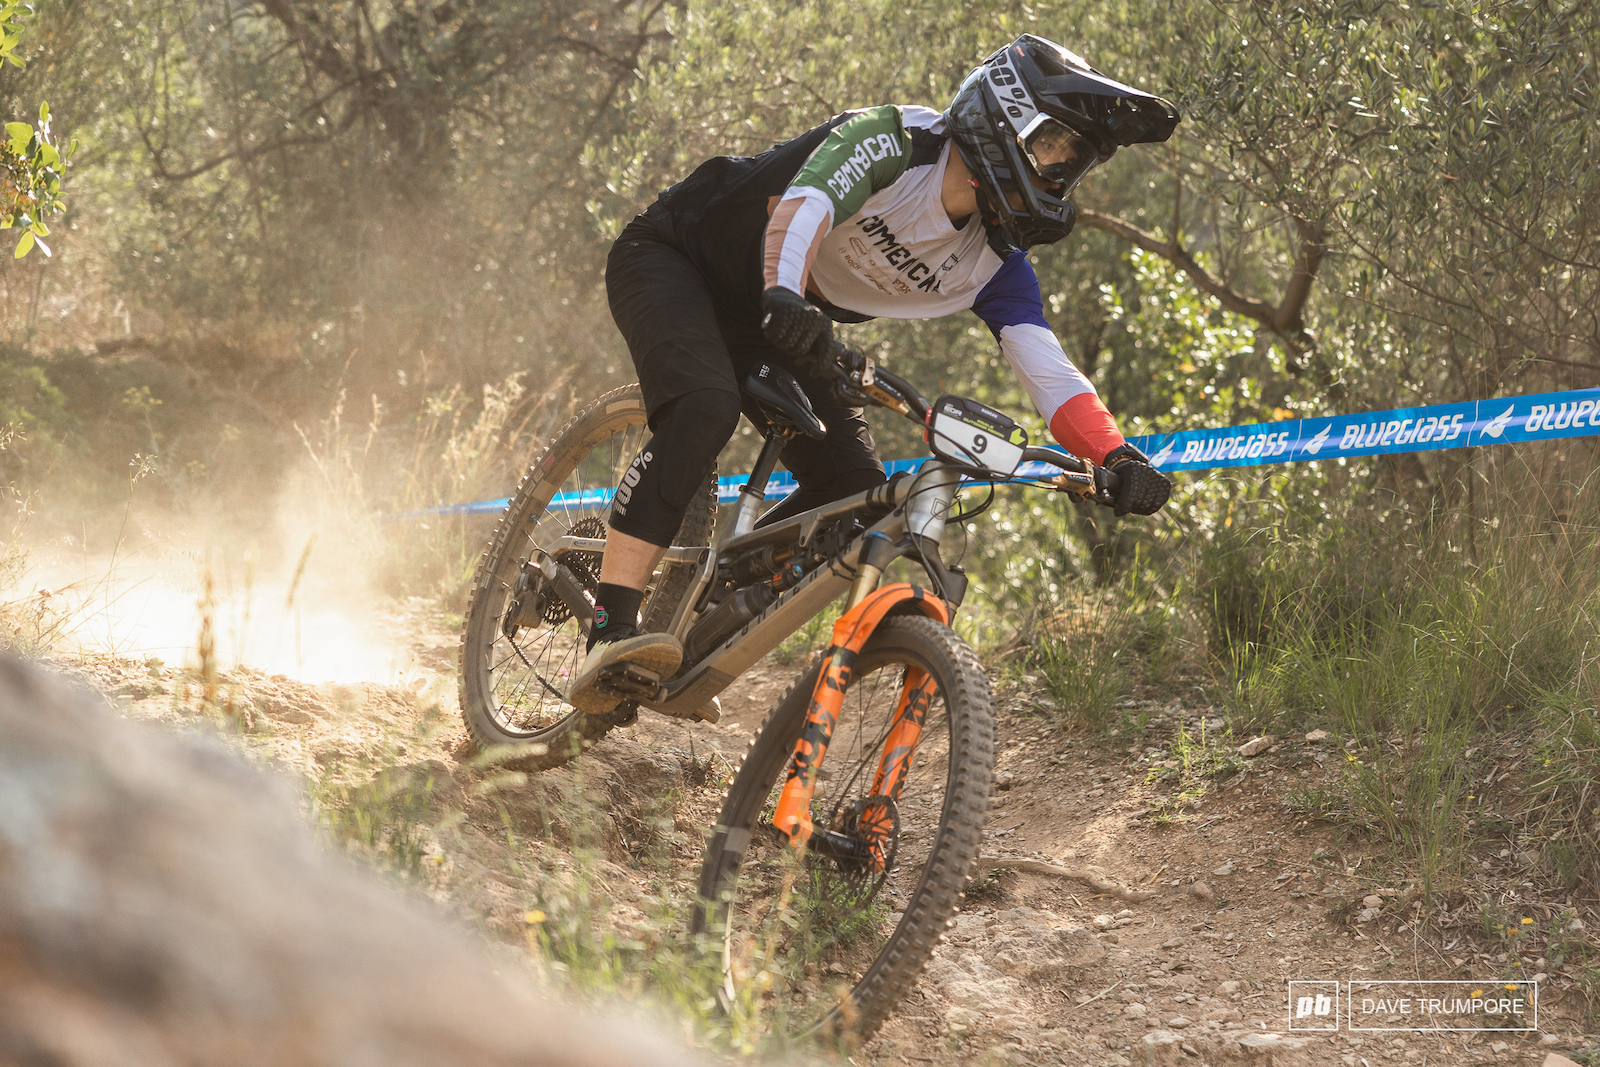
x,y
753,492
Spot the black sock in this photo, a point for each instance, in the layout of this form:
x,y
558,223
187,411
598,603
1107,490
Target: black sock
x,y
615,607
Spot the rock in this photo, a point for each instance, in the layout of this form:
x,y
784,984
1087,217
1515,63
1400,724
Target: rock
x,y
1555,1059
1575,925
965,978
1201,890
1368,914
1172,942
1256,745
1005,780
1372,900
1549,1039
1162,1048
1498,1046
1229,988
1102,922
1225,869
1317,735
1039,954
1135,1010
1127,913
968,927
1274,1049
1177,1022
161,896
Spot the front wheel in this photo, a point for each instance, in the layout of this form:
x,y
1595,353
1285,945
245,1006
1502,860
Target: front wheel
x,y
827,944
522,643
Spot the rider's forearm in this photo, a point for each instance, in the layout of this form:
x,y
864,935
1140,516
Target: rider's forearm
x,y
1085,428
794,233
1062,393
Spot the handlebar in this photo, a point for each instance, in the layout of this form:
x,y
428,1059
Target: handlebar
x,y
859,382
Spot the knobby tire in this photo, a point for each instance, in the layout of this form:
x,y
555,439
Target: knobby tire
x,y
618,416
950,861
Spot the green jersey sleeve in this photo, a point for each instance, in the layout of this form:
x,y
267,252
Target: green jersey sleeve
x,y
867,152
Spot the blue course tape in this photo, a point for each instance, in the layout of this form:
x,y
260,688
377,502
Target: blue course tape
x,y
1509,420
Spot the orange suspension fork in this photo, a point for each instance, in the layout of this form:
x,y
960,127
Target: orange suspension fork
x,y
850,633
905,731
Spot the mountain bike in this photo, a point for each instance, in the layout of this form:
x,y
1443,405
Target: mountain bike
x,y
852,826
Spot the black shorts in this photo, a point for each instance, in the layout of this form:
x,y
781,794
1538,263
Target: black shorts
x,y
683,338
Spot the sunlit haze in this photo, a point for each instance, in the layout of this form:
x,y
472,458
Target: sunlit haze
x,y
151,606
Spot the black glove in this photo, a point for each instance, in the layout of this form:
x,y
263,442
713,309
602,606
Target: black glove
x,y
1143,489
796,328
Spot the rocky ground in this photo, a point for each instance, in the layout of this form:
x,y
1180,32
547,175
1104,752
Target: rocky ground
x,y
1148,902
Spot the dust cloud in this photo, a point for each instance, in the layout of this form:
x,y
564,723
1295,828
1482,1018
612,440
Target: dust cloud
x,y
296,600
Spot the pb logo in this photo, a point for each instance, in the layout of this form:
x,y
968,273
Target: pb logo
x,y
1321,1004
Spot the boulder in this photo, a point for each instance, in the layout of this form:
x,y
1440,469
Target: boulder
x,y
162,902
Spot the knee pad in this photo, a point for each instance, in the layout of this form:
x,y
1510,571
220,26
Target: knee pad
x,y
663,478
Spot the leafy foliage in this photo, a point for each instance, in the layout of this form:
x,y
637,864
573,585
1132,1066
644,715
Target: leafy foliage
x,y
31,164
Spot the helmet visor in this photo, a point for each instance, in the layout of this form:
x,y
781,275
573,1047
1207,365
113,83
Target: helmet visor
x,y
1058,153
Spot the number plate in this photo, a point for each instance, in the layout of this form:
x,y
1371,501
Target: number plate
x,y
965,431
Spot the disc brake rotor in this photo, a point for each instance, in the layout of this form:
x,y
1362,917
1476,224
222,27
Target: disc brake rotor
x,y
874,824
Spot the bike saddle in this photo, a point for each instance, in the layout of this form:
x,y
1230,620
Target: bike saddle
x,y
783,403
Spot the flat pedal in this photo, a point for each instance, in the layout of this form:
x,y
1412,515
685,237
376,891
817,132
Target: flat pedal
x,y
631,682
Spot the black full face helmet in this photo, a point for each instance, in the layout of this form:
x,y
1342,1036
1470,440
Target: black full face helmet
x,y
1035,108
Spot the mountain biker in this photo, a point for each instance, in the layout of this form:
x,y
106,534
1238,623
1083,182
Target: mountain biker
x,y
896,211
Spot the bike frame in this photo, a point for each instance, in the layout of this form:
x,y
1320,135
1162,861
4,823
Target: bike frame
x,y
911,513
917,506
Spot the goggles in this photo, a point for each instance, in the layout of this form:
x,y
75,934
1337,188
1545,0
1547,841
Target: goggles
x,y
1057,152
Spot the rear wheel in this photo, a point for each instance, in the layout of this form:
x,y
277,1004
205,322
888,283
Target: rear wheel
x,y
831,945
522,642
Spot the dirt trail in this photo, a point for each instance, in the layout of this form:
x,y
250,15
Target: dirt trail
x,y
1038,968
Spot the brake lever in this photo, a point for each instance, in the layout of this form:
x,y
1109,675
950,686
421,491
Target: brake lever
x,y
1091,483
853,383
845,390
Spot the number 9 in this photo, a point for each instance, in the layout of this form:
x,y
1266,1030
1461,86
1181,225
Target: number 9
x,y
979,443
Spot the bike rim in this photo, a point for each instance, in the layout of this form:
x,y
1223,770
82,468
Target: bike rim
x,y
529,672
803,936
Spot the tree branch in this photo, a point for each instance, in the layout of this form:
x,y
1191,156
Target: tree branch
x,y
242,155
1313,246
1174,252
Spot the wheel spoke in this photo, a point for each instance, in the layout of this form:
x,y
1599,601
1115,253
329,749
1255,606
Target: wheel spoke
x,y
806,935
513,688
